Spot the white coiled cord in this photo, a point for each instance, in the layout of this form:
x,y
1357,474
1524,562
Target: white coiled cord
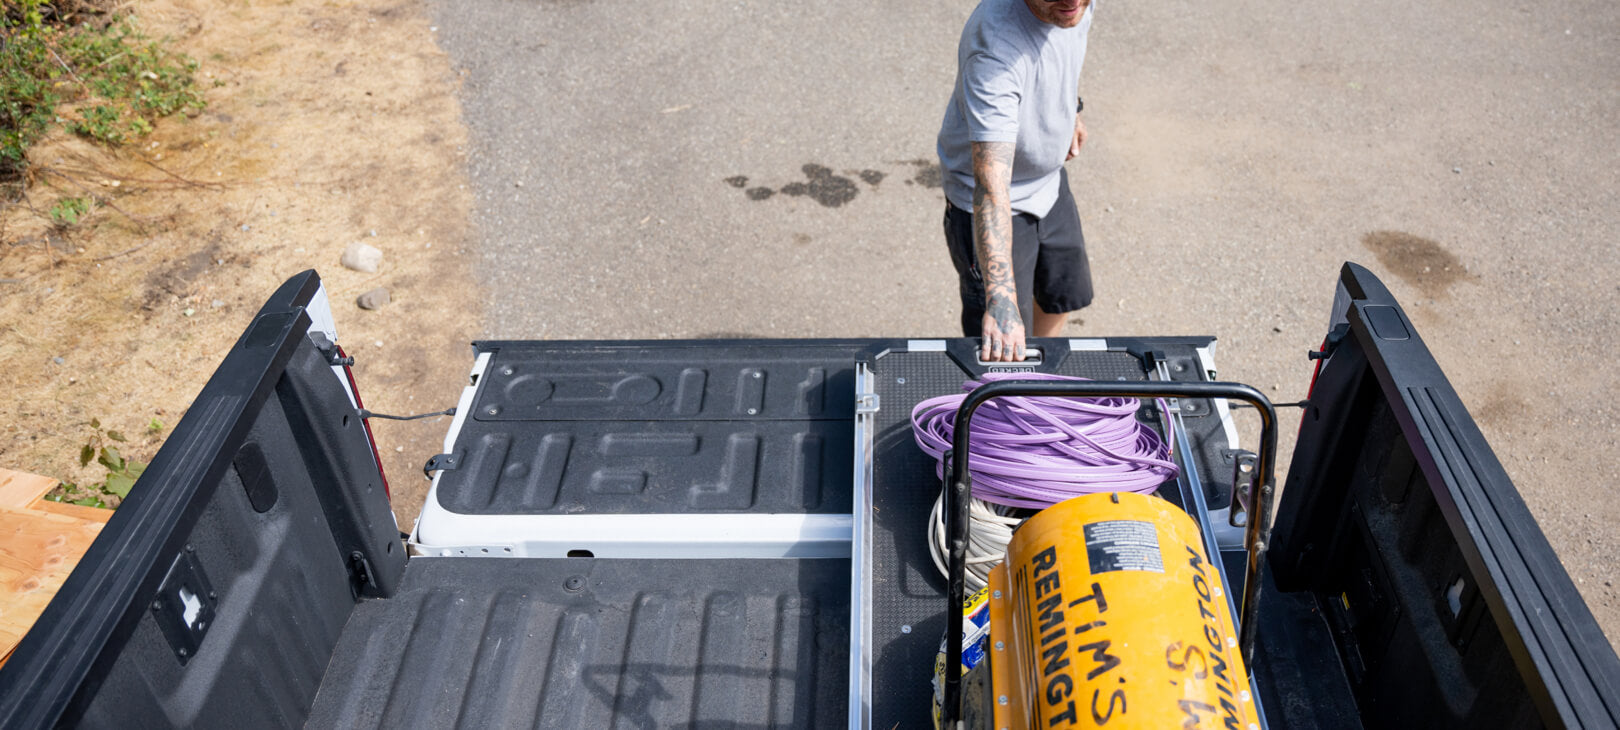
x,y
987,541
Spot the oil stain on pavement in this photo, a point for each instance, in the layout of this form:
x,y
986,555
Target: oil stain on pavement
x,y
833,190
1419,261
928,174
823,187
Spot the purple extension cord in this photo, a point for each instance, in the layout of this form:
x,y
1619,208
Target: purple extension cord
x,y
1036,452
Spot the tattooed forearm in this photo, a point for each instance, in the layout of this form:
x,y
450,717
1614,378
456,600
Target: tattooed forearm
x,y
992,226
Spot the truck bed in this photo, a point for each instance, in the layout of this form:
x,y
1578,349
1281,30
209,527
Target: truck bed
x,y
634,450
733,533
573,643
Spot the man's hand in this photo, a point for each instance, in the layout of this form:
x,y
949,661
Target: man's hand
x,y
992,237
1079,138
1003,330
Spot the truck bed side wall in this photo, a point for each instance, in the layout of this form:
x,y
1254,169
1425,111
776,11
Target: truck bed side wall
x,y
266,508
1448,606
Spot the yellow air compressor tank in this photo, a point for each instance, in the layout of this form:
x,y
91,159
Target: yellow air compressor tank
x,y
1107,613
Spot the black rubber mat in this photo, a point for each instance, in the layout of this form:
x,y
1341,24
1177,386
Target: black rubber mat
x,y
583,643
658,428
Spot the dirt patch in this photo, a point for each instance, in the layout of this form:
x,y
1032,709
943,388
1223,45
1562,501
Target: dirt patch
x,y
174,281
1419,261
326,124
1503,406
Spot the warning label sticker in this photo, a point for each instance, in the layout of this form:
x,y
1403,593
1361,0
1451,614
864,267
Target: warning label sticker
x,y
1123,545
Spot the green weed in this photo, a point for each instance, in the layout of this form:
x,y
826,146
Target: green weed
x,y
68,211
121,471
107,82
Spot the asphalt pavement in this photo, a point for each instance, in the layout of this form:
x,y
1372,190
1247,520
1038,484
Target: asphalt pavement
x,y
704,168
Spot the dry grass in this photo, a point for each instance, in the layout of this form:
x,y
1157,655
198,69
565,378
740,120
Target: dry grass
x,y
328,123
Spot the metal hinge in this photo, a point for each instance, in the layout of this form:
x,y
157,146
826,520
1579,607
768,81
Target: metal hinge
x,y
359,573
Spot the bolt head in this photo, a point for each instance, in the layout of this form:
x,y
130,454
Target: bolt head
x,y
906,629
996,595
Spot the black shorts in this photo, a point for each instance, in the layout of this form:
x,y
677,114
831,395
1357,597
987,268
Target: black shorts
x,y
1049,261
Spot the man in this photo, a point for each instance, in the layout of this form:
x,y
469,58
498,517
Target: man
x,y
1010,221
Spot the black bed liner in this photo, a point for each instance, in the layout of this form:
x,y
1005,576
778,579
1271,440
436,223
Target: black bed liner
x,y
657,427
575,643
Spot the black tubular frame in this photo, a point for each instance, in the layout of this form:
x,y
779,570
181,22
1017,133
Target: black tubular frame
x,y
959,488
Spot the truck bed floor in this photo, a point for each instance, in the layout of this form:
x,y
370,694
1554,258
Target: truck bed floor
x,y
566,643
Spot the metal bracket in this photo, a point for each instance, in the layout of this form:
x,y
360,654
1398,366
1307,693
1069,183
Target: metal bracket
x,y
184,605
1150,357
329,350
1244,470
867,403
1331,343
440,462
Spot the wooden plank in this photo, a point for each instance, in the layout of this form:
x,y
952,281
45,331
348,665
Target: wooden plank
x,y
40,544
23,491
76,511
18,490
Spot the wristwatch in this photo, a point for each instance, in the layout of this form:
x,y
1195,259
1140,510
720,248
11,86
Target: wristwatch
x,y
1079,104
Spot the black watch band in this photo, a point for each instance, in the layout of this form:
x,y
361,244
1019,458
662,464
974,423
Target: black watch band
x,y
1079,104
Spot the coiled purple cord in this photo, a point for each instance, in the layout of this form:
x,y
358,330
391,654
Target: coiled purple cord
x,y
1036,452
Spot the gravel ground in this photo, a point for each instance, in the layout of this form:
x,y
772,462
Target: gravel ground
x,y
697,168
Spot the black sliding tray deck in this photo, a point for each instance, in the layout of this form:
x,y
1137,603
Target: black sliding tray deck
x,y
907,595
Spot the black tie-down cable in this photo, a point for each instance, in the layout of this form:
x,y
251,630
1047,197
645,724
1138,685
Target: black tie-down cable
x,y
451,411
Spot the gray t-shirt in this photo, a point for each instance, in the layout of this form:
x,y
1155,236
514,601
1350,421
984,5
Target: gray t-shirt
x,y
1016,81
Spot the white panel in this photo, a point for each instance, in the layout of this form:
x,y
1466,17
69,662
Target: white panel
x,y
442,532
320,314
1206,360
320,320
464,406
